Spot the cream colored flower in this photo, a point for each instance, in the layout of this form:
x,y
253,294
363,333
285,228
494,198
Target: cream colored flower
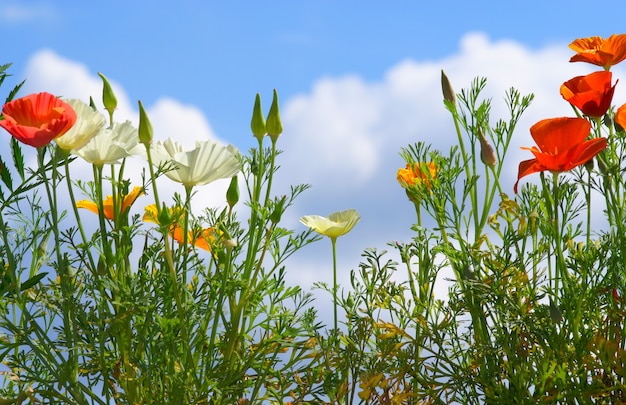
x,y
207,162
111,144
87,125
336,224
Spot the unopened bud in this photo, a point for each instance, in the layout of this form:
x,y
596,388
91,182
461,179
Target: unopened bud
x,y
446,87
108,96
232,194
257,124
487,154
274,124
145,127
279,208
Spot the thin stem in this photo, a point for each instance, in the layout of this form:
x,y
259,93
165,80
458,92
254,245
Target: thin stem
x,y
333,242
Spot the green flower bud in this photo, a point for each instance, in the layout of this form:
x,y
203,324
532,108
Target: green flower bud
x,y
446,87
257,124
232,194
279,208
108,96
145,127
274,125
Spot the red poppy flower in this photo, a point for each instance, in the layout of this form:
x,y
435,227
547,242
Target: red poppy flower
x,y
600,51
37,119
563,145
592,94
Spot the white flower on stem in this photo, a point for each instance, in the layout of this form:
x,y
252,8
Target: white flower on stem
x,y
88,123
111,144
207,162
336,224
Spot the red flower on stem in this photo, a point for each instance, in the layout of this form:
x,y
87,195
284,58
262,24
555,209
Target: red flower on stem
x,y
592,94
37,119
563,145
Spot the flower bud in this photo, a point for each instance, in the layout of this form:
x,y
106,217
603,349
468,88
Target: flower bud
x,y
257,124
108,96
145,127
274,125
232,194
446,87
487,154
279,208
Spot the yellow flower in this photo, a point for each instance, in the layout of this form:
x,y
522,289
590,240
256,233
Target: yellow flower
x,y
200,238
336,224
108,203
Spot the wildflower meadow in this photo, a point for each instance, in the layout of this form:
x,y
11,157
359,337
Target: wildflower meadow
x,y
112,294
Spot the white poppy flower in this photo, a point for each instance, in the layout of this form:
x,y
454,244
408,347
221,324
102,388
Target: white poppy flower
x,y
336,224
111,144
88,123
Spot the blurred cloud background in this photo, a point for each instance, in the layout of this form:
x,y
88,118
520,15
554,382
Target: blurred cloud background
x,y
357,81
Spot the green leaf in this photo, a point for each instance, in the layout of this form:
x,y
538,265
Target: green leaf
x,y
18,157
5,175
31,282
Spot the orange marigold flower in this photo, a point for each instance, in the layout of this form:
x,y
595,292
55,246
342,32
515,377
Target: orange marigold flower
x,y
563,145
599,51
620,116
417,173
200,238
107,204
37,119
592,94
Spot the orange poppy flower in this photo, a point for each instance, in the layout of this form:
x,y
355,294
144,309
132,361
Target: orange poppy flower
x,y
200,238
600,51
592,94
563,145
108,203
620,116
416,174
37,119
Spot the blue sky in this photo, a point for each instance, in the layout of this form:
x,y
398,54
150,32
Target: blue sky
x,y
357,81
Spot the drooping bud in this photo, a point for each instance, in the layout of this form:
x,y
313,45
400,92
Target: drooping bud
x,y
108,96
446,87
257,124
274,124
487,154
145,130
232,194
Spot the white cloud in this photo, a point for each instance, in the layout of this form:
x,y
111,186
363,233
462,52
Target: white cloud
x,y
18,13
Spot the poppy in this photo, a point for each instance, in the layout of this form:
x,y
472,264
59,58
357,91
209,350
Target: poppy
x,y
599,51
108,203
417,173
37,119
200,238
620,116
592,94
336,224
562,145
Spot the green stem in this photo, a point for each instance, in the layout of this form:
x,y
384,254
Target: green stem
x,y
333,242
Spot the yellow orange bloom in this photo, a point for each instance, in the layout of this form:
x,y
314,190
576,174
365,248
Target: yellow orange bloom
x,y
416,174
109,212
200,238
599,51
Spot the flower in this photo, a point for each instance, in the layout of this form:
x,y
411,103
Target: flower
x,y
592,94
336,224
88,123
207,162
599,51
200,238
110,145
415,174
109,211
562,146
37,119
